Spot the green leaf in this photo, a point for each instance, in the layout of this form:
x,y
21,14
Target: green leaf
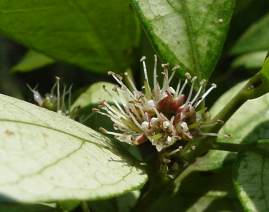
x,y
251,181
96,35
247,124
11,207
254,10
48,157
66,206
94,95
90,99
252,60
123,203
32,60
215,159
189,33
255,38
200,191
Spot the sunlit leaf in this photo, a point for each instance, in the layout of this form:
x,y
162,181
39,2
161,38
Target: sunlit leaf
x,y
48,157
190,33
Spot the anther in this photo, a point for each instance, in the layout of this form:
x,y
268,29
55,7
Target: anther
x,y
143,58
166,124
188,75
145,125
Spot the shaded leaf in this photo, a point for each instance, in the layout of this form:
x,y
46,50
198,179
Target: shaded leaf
x,y
122,203
190,33
48,157
247,124
95,35
255,38
215,159
90,99
251,181
252,60
68,205
25,208
200,191
94,95
32,60
241,22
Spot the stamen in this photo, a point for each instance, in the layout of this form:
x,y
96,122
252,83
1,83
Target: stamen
x,y
169,139
175,151
103,130
37,96
146,84
184,126
133,119
144,67
58,93
154,121
113,98
183,87
165,80
63,107
69,96
130,81
198,92
145,125
210,134
151,103
172,75
119,81
166,124
155,71
114,110
191,90
178,87
213,86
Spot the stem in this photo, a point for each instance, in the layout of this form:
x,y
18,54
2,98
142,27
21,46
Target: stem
x,y
151,196
255,87
232,147
158,183
84,206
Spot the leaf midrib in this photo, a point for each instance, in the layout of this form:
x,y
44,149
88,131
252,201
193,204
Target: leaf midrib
x,y
189,29
81,139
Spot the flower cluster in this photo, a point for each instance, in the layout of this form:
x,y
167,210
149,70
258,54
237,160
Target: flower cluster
x,y
58,100
161,115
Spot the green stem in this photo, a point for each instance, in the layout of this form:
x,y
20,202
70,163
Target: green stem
x,y
158,183
255,87
232,147
84,206
151,196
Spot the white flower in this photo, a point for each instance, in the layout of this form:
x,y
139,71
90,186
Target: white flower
x,y
161,115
